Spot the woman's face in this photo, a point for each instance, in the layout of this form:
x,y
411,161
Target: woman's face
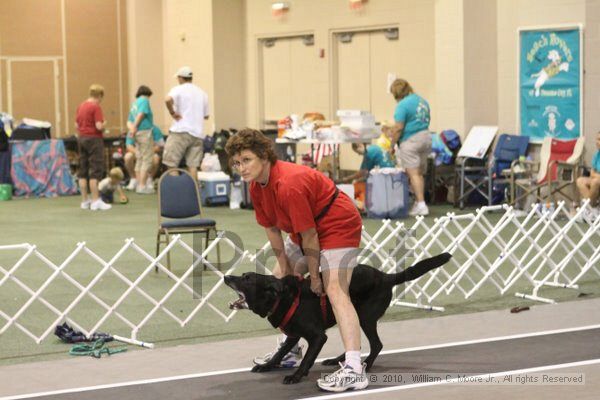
x,y
250,166
598,140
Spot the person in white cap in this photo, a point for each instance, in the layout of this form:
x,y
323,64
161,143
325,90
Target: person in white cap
x,y
188,106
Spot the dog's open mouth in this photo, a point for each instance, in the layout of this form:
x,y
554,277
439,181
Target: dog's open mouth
x,y
240,303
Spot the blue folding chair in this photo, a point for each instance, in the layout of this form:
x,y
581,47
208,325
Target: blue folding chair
x,y
508,150
489,179
179,209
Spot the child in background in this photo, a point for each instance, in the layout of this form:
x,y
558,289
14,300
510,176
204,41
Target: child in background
x,y
377,155
111,184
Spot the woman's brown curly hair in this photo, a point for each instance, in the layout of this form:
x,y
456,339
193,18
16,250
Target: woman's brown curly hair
x,y
253,140
400,89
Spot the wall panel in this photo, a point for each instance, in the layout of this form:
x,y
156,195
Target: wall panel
x,y
33,90
90,60
30,28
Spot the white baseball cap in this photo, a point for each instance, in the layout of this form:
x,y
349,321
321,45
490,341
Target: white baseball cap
x,y
184,72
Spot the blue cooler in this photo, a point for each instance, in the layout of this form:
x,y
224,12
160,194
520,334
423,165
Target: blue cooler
x,y
214,188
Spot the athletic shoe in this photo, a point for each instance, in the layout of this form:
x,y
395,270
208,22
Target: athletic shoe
x,y
85,205
150,182
145,190
345,378
132,184
290,360
589,215
99,205
418,210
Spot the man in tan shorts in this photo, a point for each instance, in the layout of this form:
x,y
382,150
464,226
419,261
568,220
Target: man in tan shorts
x,y
188,105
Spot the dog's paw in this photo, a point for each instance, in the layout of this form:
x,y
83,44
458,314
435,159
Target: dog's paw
x,y
291,379
261,368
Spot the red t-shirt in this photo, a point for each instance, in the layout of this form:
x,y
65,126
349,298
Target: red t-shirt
x,y
88,113
295,195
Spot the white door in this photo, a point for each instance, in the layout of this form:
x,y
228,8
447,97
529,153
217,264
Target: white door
x,y
386,59
288,78
276,79
363,62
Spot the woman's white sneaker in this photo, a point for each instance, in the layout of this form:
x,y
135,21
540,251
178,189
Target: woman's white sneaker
x,y
290,360
145,190
99,205
132,184
419,209
345,378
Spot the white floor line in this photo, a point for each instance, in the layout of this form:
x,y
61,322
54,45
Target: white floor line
x,y
492,339
232,371
454,380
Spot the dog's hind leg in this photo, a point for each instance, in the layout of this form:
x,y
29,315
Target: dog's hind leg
x,y
335,361
369,327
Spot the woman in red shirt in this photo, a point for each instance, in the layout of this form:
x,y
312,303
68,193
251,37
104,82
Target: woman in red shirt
x,y
90,124
324,230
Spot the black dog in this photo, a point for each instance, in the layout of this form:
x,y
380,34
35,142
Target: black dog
x,y
370,292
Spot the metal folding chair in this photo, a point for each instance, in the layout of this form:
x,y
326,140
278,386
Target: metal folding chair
x,y
557,170
472,170
179,209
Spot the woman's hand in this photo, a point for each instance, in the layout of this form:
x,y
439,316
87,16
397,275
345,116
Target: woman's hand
x,y
316,285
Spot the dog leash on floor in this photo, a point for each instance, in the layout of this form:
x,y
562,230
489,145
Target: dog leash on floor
x,y
96,349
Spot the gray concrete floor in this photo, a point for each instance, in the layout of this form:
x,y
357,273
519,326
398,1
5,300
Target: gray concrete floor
x,y
159,363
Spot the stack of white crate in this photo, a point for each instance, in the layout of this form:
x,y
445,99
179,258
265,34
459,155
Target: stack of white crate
x,y
357,124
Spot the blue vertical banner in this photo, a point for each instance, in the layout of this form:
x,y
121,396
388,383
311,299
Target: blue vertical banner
x,y
550,83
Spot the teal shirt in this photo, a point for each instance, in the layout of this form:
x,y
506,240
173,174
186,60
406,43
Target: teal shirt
x,y
413,111
596,162
141,105
157,137
375,156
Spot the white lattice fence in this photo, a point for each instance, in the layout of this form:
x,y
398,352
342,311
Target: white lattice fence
x,y
133,286
540,249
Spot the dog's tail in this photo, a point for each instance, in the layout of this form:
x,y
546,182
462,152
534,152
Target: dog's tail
x,y
420,268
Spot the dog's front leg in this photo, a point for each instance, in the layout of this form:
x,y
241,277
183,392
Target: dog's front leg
x,y
277,357
315,344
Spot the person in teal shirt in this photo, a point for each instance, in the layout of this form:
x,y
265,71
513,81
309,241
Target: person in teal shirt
x,y
374,156
411,133
140,124
130,158
589,186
